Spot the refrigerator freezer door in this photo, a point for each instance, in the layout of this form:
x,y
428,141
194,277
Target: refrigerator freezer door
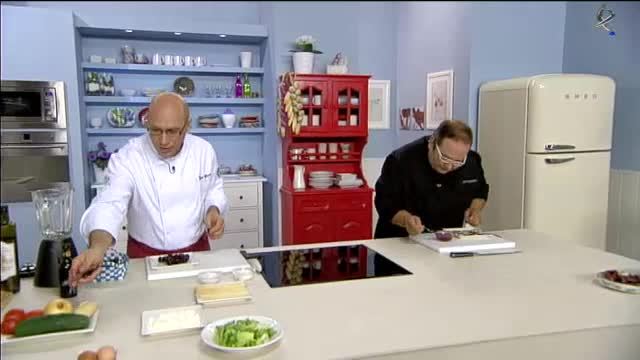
x,y
566,196
570,113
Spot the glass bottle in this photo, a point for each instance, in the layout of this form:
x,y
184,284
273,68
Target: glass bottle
x,y
239,87
66,290
247,86
9,243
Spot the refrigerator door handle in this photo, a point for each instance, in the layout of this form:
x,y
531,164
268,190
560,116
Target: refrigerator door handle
x,y
558,161
552,147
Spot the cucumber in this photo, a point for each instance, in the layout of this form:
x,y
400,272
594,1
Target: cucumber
x,y
51,323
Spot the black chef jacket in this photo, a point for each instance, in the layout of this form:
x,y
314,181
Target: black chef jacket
x,y
408,182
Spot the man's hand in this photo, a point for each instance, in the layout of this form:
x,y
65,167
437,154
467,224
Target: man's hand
x,y
411,223
473,215
86,266
214,222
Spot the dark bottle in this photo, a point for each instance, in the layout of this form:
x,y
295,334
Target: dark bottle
x,y
9,242
66,290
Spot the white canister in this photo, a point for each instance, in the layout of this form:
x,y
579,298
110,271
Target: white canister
x,y
245,59
167,60
228,119
156,59
96,122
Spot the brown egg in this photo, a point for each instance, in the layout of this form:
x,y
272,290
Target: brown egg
x,y
107,353
88,355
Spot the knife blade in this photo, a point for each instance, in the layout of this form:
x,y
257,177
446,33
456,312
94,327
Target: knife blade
x,y
483,252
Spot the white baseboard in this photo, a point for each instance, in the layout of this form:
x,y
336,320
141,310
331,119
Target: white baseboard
x,y
623,225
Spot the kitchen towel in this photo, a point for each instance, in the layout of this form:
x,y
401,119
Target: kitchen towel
x,y
114,266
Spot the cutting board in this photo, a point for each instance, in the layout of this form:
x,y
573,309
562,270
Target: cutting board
x,y
219,260
464,243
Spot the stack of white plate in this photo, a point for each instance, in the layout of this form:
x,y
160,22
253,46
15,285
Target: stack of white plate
x,y
321,179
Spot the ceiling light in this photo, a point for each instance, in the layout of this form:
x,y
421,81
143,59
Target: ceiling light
x,y
129,30
178,33
222,35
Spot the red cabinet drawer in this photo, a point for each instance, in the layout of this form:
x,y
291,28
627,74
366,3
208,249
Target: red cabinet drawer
x,y
353,225
312,228
353,202
312,204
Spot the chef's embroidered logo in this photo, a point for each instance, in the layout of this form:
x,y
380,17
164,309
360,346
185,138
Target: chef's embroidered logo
x,y
469,181
202,177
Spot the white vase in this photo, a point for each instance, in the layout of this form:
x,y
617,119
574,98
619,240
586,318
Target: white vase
x,y
101,174
303,62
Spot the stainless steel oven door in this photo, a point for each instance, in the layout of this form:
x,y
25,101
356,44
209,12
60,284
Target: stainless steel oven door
x,y
33,104
32,161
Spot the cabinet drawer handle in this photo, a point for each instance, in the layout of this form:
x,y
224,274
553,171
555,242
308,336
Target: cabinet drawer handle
x,y
317,207
241,246
241,219
241,197
313,227
350,224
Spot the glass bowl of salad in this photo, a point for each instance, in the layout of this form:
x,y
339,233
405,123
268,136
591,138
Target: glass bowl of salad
x,y
242,334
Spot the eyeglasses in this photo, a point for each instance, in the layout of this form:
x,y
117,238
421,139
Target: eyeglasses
x,y
446,160
169,132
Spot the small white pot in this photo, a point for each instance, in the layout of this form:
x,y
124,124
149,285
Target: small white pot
x,y
228,120
101,174
303,62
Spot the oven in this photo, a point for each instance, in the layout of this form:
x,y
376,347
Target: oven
x,y
32,160
33,104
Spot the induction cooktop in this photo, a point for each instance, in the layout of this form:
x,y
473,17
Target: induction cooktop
x,y
282,268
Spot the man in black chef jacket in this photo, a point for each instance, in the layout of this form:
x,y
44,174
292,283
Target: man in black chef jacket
x,y
432,183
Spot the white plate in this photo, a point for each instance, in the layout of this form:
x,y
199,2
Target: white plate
x,y
321,174
8,339
208,334
156,264
180,326
629,289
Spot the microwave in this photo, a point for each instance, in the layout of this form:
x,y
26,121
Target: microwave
x,y
33,104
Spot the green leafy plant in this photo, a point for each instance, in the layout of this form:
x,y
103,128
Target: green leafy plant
x,y
305,43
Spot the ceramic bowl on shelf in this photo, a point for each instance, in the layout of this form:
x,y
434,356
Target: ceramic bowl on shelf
x,y
121,117
128,92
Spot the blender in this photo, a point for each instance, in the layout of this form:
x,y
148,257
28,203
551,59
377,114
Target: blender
x,y
53,211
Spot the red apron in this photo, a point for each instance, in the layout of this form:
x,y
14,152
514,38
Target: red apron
x,y
136,249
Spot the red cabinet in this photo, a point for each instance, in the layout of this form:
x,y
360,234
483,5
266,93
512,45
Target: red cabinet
x,y
332,137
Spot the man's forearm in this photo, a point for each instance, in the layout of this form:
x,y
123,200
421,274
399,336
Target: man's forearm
x,y
100,239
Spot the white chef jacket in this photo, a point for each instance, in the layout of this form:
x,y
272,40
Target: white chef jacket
x,y
165,200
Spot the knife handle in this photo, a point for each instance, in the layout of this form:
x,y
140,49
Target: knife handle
x,y
461,254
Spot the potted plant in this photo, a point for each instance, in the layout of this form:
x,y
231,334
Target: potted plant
x,y
99,158
303,54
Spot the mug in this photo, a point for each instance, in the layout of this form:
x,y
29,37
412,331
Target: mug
x,y
188,60
178,60
322,148
353,120
245,59
317,99
201,61
157,59
167,60
315,120
96,122
333,148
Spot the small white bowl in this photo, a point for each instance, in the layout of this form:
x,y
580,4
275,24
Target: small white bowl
x,y
128,92
209,277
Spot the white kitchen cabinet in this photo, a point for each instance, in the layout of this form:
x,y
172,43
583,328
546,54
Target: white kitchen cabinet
x,y
244,223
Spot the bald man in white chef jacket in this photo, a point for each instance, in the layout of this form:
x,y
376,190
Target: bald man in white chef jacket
x,y
165,183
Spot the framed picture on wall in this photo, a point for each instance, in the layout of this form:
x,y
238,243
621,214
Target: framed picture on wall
x,y
439,102
379,91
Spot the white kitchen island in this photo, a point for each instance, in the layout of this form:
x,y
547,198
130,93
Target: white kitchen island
x,y
540,304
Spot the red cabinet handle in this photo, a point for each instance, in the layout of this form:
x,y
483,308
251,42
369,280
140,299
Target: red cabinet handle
x,y
317,206
312,227
350,225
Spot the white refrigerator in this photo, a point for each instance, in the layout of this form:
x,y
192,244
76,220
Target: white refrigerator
x,y
545,143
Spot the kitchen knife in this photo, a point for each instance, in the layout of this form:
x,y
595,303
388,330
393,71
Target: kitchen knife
x,y
483,252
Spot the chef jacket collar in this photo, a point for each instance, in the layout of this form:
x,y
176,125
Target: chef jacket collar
x,y
157,156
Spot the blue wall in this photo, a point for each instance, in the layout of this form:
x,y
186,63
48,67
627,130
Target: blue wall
x,y
513,39
432,37
46,50
591,50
